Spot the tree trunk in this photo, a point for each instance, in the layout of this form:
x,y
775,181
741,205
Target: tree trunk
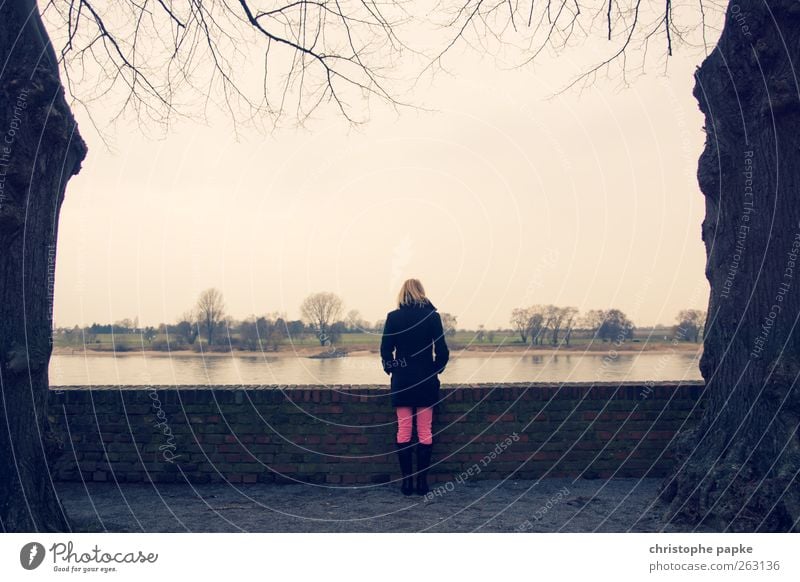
x,y
737,470
40,149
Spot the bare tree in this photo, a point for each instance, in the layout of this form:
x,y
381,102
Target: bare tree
x,y
152,59
354,321
41,150
690,324
449,323
125,325
262,333
616,327
537,323
593,320
609,325
520,321
210,310
555,317
736,469
629,28
186,328
570,316
154,56
321,310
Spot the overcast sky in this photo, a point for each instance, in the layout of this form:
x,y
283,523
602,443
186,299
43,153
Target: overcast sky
x,y
495,198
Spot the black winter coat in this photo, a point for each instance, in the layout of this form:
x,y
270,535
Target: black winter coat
x,y
410,335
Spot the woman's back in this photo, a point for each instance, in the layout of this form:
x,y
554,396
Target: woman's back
x,y
414,352
413,331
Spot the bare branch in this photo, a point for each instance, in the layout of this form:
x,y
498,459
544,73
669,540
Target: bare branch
x,y
148,54
667,14
157,58
626,24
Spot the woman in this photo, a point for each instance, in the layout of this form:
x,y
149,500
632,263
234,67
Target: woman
x,y
414,353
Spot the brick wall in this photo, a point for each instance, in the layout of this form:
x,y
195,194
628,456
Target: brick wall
x,y
344,435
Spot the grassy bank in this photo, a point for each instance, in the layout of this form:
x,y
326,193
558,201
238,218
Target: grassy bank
x,y
463,342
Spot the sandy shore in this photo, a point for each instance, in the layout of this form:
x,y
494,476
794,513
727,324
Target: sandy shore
x,y
548,505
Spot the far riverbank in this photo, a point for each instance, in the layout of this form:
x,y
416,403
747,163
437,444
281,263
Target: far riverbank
x,y
482,351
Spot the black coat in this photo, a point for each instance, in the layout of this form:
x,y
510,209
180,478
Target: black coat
x,y
410,335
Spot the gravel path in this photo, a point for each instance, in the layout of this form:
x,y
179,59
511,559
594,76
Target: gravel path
x,y
549,505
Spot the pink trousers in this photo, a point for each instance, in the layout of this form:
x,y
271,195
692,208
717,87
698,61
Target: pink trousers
x,y
405,418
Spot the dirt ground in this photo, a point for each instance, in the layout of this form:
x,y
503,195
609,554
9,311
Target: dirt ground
x,y
549,505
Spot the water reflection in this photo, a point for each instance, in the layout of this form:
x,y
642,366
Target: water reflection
x,y
133,369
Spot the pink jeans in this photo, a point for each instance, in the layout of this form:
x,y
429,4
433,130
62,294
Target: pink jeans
x,y
405,417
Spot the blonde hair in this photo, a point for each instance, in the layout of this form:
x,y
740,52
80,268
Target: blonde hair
x,y
411,293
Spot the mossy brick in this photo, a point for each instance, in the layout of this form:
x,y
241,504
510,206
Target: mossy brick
x,y
284,458
246,467
273,448
251,428
311,468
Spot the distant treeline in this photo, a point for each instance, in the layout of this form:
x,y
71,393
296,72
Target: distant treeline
x,y
207,326
540,324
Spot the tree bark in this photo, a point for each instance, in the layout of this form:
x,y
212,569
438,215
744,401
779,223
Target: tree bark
x,y
40,149
737,469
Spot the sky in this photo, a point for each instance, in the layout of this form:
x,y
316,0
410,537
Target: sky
x,y
494,193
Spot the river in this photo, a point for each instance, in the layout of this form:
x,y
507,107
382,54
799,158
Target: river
x,y
234,369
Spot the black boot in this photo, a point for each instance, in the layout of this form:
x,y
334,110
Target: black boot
x,y
423,462
404,453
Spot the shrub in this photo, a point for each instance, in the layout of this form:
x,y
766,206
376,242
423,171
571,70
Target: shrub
x,y
163,345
